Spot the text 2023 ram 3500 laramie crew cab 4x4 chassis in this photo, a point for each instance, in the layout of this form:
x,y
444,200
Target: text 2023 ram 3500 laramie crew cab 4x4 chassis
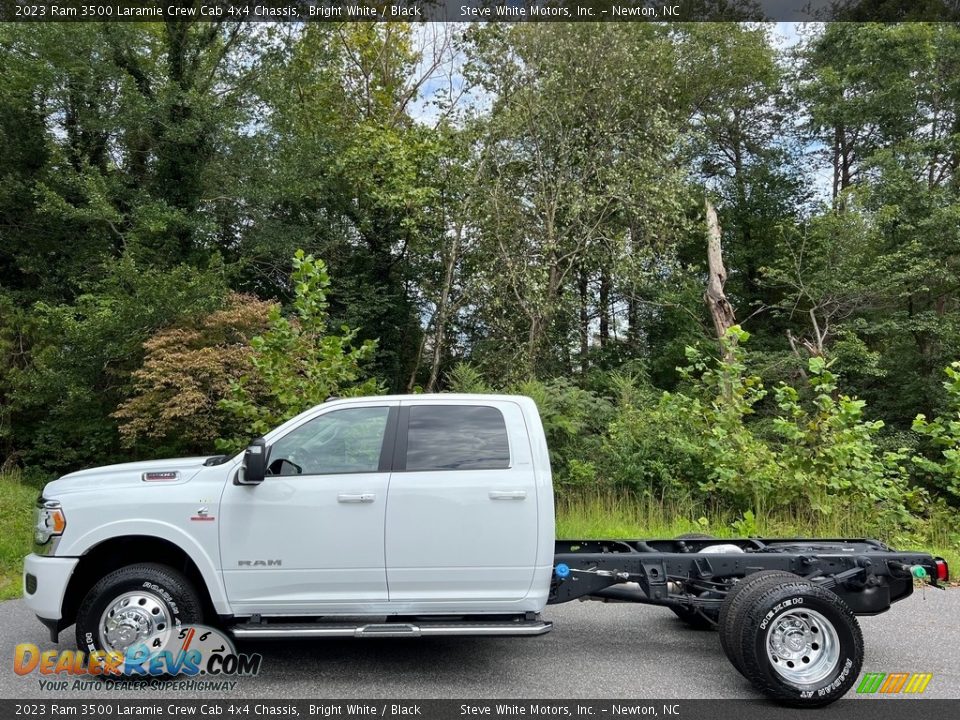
x,y
426,515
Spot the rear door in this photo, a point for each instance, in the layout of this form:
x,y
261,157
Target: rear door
x,y
461,523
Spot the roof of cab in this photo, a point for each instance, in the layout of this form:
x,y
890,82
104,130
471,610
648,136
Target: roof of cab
x,y
462,397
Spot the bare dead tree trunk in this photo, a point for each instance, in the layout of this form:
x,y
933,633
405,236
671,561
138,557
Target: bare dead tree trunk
x,y
720,308
412,380
443,310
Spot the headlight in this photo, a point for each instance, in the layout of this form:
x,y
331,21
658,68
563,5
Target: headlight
x,y
50,523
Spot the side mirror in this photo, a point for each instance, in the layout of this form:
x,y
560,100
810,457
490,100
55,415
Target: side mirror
x,y
254,467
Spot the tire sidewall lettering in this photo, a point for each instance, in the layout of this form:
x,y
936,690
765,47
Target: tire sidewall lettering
x,y
164,595
838,680
832,686
778,609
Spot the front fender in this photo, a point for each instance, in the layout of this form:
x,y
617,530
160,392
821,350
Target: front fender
x,y
206,564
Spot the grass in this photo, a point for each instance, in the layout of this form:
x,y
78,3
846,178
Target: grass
x,y
620,515
17,500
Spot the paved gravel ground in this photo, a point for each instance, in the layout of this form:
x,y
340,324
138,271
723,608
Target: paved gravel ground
x,y
596,650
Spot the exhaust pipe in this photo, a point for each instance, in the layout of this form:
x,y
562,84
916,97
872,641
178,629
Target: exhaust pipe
x,y
627,592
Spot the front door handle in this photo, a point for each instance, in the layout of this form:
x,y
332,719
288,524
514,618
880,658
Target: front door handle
x,y
508,494
358,498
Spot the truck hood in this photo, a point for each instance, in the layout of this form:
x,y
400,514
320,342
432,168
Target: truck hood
x,y
124,475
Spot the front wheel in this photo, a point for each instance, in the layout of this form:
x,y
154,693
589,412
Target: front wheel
x,y
137,604
799,643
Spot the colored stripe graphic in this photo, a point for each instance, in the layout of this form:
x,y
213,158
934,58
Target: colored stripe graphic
x,y
871,682
918,682
888,684
898,684
892,683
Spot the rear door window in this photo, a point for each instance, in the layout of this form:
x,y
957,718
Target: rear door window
x,y
456,437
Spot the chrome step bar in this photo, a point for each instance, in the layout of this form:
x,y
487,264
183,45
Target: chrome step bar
x,y
367,630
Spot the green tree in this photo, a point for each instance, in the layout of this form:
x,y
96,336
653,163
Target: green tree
x,y
352,172
117,135
884,101
297,362
829,454
743,144
70,364
579,187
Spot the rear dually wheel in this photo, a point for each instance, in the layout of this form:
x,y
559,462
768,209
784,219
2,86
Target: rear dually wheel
x,y
799,643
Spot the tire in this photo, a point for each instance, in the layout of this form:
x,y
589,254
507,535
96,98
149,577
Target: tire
x,y
732,607
693,618
799,643
150,600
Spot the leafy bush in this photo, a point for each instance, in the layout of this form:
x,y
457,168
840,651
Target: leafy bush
x,y
811,453
943,434
816,453
465,378
573,420
741,466
649,445
696,442
829,451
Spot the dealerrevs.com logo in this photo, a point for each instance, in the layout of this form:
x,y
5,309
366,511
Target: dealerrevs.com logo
x,y
192,651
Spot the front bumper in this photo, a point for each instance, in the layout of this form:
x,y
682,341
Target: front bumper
x,y
45,582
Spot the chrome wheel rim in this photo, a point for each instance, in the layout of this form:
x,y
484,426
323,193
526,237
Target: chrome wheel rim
x,y
803,647
134,618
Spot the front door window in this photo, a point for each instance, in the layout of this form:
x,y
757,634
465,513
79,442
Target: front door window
x,y
337,442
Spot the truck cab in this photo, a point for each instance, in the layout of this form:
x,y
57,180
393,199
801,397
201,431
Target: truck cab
x,y
374,507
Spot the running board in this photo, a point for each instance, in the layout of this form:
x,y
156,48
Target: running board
x,y
393,630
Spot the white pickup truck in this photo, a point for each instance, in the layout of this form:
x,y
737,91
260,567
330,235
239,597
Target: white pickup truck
x,y
425,515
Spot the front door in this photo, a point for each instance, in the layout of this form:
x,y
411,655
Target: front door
x,y
309,539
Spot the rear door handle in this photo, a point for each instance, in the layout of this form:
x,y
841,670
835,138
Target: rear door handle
x,y
358,498
508,494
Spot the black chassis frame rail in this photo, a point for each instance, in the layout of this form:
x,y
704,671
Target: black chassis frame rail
x,y
866,574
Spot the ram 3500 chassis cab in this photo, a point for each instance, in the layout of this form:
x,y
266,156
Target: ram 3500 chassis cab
x,y
426,515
